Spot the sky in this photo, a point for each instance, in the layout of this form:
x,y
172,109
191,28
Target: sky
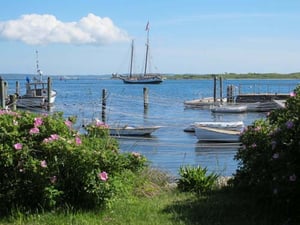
x,y
93,37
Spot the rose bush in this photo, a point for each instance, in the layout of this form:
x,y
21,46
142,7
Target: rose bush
x,y
269,158
45,162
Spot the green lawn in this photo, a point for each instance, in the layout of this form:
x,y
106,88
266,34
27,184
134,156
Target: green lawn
x,y
166,207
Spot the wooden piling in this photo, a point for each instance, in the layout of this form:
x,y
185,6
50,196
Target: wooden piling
x,y
49,93
146,98
18,88
221,89
103,105
13,102
230,96
2,93
215,88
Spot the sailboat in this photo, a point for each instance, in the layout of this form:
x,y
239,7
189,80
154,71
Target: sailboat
x,y
144,78
38,92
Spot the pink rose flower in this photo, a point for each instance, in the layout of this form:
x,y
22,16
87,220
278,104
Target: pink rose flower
x,y
68,123
78,140
34,130
18,146
103,176
43,163
38,122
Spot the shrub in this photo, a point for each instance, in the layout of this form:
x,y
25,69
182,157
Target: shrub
x,y
269,159
45,162
195,179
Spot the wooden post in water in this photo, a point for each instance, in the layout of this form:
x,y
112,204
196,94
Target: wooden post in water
x,y
103,104
2,93
215,88
17,88
13,102
146,98
221,89
230,93
49,93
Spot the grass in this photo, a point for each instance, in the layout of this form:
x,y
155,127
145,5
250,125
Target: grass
x,y
168,208
154,202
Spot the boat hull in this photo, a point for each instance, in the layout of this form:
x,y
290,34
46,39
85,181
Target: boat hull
x,y
207,134
36,101
235,125
230,109
132,131
142,80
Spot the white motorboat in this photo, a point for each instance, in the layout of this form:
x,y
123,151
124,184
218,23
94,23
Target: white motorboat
x,y
230,125
132,130
38,92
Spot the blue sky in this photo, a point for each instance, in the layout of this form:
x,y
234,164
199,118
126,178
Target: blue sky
x,y
192,36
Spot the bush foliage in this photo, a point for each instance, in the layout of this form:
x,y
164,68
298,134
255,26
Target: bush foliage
x,y
45,162
269,159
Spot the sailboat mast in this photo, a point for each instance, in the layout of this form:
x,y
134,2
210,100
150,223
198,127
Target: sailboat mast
x,y
131,58
147,49
39,72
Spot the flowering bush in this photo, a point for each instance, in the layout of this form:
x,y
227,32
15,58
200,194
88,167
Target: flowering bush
x,y
44,162
269,159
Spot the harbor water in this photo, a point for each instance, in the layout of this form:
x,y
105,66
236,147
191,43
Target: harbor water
x,y
169,147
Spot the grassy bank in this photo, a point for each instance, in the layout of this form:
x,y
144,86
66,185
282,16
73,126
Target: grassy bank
x,y
168,207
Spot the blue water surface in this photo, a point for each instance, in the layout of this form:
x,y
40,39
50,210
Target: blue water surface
x,y
168,148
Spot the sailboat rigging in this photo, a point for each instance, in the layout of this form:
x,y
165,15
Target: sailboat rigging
x,y
145,78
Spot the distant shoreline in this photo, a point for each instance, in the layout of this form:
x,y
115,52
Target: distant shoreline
x,y
227,76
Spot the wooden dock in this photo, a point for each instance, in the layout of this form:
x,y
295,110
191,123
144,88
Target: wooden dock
x,y
265,97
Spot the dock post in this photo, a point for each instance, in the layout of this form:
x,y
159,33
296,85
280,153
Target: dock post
x,y
221,89
146,98
13,102
49,93
103,104
2,93
17,88
230,93
215,88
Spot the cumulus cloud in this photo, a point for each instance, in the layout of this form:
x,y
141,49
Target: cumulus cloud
x,y
35,29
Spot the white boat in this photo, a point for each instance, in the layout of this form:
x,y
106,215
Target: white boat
x,y
144,78
212,134
37,92
230,125
230,109
132,130
203,102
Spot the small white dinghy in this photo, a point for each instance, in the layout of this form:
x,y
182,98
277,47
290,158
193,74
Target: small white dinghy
x,y
132,130
209,134
230,109
231,125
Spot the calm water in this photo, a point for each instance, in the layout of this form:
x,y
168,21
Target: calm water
x,y
169,147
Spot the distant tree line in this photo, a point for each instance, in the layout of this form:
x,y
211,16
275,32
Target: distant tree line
x,y
236,76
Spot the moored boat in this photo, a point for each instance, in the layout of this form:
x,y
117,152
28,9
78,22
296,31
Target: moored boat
x,y
145,78
230,125
211,134
39,93
132,130
230,108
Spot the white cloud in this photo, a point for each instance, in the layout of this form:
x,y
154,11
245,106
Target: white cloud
x,y
35,29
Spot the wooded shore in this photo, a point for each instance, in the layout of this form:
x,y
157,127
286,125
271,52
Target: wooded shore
x,y
235,76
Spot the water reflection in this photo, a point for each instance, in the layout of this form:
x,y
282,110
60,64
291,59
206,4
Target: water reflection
x,y
217,157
